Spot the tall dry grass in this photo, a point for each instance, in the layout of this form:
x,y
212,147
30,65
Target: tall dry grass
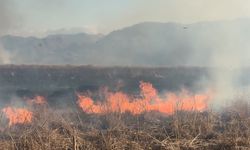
x,y
72,129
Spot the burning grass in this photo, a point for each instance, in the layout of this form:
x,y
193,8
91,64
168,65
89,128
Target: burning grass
x,y
73,129
149,100
112,124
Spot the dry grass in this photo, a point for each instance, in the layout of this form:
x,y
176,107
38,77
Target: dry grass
x,y
75,130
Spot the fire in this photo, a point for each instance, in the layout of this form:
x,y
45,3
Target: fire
x,y
87,104
22,115
17,115
149,101
39,100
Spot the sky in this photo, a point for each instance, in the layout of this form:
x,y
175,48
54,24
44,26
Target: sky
x,y
103,16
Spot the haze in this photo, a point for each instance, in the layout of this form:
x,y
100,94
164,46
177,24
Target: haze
x,y
36,17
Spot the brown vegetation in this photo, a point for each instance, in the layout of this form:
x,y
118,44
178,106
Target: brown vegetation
x,y
73,129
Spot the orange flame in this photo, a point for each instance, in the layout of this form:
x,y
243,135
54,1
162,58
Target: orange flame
x,y
149,101
38,100
17,115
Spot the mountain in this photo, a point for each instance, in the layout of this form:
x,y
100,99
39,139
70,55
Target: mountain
x,y
53,49
148,44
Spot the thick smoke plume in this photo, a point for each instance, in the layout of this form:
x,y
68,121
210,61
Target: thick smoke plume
x,y
229,57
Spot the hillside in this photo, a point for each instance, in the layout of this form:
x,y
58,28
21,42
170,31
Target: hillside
x,y
146,44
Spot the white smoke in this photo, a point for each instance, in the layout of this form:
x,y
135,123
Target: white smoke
x,y
229,57
5,57
7,19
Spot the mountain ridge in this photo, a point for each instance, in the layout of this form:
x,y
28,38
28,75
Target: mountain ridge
x,y
142,44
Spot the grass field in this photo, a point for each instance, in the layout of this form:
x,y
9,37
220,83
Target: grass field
x,y
41,124
74,129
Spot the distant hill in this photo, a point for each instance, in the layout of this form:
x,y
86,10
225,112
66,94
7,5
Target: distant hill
x,y
147,44
53,49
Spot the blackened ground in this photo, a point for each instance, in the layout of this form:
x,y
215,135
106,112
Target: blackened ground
x,y
56,82
60,83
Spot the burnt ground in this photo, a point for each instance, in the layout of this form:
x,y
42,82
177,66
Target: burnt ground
x,y
59,83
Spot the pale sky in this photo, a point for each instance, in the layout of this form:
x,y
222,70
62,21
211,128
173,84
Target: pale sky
x,y
106,15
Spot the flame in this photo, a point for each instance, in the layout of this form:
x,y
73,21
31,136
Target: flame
x,y
22,115
17,115
87,104
38,100
149,101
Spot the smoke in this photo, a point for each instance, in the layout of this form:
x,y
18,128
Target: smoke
x,y
222,45
7,18
229,57
5,56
